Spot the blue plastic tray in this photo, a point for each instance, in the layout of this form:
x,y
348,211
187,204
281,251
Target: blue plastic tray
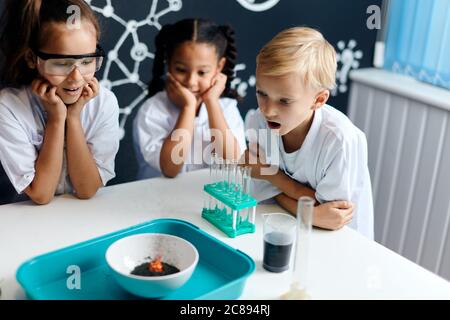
x,y
220,274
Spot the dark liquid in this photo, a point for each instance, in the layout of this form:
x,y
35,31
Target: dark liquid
x,y
277,252
142,270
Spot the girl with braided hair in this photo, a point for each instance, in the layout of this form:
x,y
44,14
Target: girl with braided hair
x,y
192,110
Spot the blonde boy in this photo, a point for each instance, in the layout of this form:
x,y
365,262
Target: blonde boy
x,y
314,148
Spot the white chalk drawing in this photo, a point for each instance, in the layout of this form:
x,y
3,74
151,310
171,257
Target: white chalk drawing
x,y
139,52
240,85
348,59
256,6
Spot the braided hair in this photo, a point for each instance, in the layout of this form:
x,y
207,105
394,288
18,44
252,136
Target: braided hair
x,y
198,30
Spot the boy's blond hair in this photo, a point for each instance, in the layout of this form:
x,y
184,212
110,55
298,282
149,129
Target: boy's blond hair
x,y
302,50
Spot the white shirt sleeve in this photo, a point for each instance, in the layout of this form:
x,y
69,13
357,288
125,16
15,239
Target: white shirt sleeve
x,y
261,189
17,153
340,175
235,123
153,127
346,177
104,141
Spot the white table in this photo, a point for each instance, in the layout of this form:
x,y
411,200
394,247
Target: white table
x,y
343,264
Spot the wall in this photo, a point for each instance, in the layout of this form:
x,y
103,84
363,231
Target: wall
x,y
408,133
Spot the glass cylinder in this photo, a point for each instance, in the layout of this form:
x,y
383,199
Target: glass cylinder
x,y
305,209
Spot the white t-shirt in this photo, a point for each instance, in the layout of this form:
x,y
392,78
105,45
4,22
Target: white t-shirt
x,y
332,160
157,118
22,127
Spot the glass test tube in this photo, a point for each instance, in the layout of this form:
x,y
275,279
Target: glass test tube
x,y
252,215
220,173
304,226
233,181
246,191
212,178
228,175
239,182
246,181
235,217
213,169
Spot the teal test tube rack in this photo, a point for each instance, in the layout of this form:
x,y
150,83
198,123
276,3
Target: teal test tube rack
x,y
229,206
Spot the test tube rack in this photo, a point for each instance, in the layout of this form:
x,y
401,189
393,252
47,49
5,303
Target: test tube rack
x,y
232,212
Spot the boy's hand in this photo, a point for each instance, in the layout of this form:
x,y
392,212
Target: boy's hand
x,y
179,95
254,157
333,215
214,92
90,91
53,105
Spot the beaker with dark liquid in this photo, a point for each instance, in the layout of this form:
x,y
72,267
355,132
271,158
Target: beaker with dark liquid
x,y
279,236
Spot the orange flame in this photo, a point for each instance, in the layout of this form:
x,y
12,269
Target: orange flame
x,y
156,265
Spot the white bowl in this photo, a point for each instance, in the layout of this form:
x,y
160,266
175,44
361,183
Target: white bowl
x,y
126,253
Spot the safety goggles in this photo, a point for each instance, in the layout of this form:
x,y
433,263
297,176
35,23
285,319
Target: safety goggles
x,y
63,65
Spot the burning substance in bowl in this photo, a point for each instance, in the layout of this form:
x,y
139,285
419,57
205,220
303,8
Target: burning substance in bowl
x,y
152,265
155,267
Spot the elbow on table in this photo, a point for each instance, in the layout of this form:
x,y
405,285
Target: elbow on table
x,y
169,174
169,171
86,194
38,196
41,199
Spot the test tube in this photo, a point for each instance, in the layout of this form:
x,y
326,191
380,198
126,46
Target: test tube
x,y
235,217
228,170
213,169
301,257
220,173
207,201
246,181
253,215
239,182
233,180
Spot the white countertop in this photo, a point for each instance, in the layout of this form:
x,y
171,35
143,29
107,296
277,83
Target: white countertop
x,y
343,264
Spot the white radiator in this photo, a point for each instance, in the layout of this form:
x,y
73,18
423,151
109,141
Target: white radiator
x,y
408,132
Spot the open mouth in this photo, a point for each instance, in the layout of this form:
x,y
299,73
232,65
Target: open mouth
x,y
273,125
72,92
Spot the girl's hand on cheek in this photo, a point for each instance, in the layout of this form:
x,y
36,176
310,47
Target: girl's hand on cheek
x,y
90,91
53,104
214,92
179,95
